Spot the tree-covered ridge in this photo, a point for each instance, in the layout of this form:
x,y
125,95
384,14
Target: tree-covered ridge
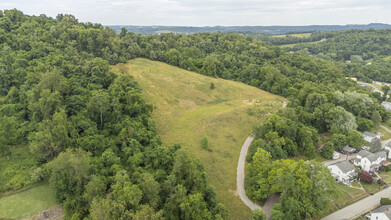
x,y
89,130
367,52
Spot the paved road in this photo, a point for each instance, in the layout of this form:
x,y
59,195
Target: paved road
x,y
361,207
369,85
240,174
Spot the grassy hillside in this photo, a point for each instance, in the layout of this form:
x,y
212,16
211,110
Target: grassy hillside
x,y
186,109
27,203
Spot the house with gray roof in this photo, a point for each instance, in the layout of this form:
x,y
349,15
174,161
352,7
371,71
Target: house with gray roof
x,y
381,213
386,105
368,136
342,171
368,161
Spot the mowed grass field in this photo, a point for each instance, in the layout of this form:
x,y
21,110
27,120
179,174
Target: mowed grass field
x,y
27,203
186,109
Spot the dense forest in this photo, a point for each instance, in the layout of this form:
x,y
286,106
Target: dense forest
x,y
89,130
364,54
92,136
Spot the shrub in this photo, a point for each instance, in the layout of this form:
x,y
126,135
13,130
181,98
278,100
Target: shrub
x,y
385,201
212,86
205,143
258,215
365,176
38,174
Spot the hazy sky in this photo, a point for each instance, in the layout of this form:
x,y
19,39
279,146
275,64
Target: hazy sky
x,y
212,12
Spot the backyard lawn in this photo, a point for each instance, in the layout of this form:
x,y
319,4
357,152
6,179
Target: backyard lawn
x,y
27,203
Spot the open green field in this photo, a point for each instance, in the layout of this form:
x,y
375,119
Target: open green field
x,y
186,109
27,203
302,35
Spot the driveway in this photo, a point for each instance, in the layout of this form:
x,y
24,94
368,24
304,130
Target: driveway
x,y
341,158
361,207
369,85
240,176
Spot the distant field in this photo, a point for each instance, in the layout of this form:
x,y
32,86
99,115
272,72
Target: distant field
x,y
27,203
303,35
186,109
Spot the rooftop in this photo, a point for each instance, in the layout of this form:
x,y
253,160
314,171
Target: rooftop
x,y
344,166
369,134
386,209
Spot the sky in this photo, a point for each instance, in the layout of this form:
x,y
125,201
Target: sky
x,y
211,12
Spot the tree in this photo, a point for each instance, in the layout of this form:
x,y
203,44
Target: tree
x,y
99,102
258,215
69,172
338,140
355,139
365,176
375,145
212,86
340,120
385,90
376,118
364,124
314,100
327,150
8,134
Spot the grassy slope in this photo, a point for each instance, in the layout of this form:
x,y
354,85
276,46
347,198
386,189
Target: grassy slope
x,y
27,203
186,109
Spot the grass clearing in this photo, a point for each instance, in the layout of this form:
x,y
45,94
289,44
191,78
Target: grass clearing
x,y
302,35
27,203
186,109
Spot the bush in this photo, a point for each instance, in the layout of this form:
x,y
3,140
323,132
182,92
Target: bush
x,y
327,150
258,215
38,175
365,176
212,86
385,201
205,143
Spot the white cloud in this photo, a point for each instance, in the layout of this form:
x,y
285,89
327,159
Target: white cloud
x,y
212,12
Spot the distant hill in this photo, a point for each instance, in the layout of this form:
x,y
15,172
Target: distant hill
x,y
147,30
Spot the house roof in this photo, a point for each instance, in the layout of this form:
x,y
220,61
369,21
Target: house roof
x,y
381,154
344,166
372,157
364,153
386,209
357,160
386,103
385,163
369,134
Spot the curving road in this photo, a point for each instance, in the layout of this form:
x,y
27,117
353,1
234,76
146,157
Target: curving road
x,y
369,85
240,176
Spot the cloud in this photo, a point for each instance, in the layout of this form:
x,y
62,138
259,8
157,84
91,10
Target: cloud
x,y
212,12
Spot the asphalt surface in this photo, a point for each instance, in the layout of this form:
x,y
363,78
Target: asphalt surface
x,y
240,176
359,208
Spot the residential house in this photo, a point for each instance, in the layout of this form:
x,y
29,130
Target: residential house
x,y
381,213
342,171
386,105
368,136
387,148
370,162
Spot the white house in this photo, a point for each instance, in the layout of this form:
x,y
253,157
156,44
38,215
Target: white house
x,y
387,148
368,161
386,105
342,171
368,136
381,213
